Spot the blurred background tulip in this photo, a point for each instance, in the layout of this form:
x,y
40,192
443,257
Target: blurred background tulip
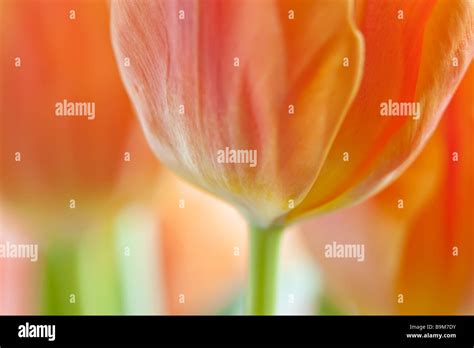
x,y
291,89
66,177
417,233
62,173
203,248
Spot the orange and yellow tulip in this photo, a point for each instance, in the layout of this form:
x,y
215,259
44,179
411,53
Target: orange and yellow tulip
x,y
280,107
209,75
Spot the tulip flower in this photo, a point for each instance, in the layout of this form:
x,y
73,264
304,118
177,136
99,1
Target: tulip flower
x,y
417,233
289,109
64,172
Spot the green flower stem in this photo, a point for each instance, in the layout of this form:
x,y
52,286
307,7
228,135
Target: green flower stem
x,y
59,278
264,251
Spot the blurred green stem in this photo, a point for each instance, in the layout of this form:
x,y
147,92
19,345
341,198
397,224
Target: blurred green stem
x,y
264,252
59,279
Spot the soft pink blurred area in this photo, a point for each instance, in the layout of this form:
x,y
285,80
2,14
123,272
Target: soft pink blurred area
x,y
204,249
19,277
358,287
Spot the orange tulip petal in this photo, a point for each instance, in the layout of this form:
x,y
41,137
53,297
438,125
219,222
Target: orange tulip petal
x,y
407,60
